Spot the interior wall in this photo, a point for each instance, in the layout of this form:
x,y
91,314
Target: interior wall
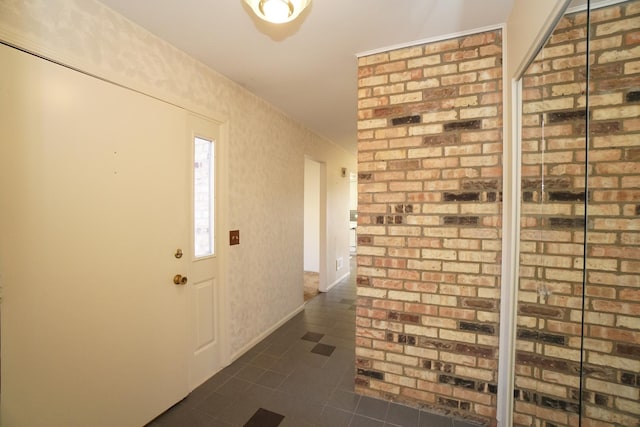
x,y
429,210
265,158
334,240
311,215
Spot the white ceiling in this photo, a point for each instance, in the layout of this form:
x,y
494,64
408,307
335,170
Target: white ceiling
x,y
307,68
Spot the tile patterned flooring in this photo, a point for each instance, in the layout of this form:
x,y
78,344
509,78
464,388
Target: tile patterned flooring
x,y
300,375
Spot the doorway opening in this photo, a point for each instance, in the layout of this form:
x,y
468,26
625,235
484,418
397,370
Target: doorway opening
x,y
312,173
353,214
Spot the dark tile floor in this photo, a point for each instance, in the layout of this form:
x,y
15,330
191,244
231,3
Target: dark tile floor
x,y
301,375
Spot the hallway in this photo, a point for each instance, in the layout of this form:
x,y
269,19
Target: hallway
x,y
301,375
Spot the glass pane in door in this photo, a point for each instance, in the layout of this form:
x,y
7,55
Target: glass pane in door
x,y
203,197
611,372
552,238
578,338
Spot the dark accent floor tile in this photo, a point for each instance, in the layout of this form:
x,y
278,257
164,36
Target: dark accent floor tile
x,y
264,418
323,349
312,336
287,376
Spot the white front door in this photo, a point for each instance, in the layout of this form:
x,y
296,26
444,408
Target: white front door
x,y
204,286
93,206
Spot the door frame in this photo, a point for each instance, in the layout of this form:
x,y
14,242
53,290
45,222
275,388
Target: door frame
x,y
221,227
322,280
512,117
312,211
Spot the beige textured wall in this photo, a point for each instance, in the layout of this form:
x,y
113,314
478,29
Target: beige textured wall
x,y
265,152
337,206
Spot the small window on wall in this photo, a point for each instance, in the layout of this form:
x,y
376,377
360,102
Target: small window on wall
x,y
203,198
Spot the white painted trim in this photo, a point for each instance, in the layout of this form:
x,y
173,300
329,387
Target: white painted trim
x,y
265,334
430,40
511,222
542,37
510,267
324,228
340,279
223,248
594,5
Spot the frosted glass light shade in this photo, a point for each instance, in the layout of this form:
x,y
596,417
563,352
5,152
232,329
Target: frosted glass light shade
x,y
278,11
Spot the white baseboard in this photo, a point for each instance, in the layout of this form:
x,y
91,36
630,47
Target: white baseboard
x,y
338,280
266,333
284,320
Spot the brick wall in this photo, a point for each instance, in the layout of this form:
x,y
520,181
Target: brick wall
x,y
429,182
552,236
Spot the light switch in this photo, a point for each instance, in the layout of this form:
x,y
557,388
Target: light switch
x,y
234,237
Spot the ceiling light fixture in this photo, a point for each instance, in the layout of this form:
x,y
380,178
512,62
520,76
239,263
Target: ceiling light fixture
x,y
278,11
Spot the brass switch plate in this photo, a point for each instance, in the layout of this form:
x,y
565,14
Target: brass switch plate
x,y
234,237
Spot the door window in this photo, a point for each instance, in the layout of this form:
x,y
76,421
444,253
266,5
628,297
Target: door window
x,y
203,196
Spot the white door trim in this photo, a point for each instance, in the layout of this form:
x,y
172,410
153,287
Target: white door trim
x,y
222,233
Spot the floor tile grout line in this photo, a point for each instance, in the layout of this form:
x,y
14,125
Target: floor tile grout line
x,y
331,314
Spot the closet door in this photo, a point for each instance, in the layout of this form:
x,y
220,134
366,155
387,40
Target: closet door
x,y
578,339
552,231
93,205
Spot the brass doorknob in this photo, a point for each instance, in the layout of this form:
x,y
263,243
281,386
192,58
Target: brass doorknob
x,y
179,279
